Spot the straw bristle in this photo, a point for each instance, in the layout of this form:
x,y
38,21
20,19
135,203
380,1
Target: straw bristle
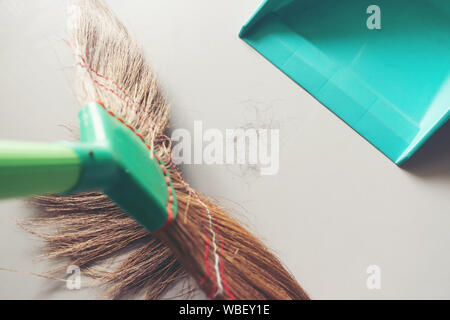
x,y
224,259
90,231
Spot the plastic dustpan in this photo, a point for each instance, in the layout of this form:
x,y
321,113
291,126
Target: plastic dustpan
x,y
391,85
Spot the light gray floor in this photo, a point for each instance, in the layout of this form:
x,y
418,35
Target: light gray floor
x,y
337,205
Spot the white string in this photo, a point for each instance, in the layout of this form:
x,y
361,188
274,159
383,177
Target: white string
x,y
211,229
216,256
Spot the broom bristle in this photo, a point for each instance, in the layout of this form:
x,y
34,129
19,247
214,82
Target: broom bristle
x,y
225,260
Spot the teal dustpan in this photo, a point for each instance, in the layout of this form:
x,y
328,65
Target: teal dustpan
x,y
392,85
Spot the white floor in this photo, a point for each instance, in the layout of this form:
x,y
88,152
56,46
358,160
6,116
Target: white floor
x,y
337,205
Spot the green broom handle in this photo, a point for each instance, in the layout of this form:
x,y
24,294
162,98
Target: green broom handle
x,y
37,168
28,168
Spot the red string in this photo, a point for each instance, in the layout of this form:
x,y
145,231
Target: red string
x,y
222,273
103,76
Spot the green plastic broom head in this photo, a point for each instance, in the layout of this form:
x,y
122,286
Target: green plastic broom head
x,y
111,157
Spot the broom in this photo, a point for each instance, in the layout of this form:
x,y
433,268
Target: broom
x,y
87,229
